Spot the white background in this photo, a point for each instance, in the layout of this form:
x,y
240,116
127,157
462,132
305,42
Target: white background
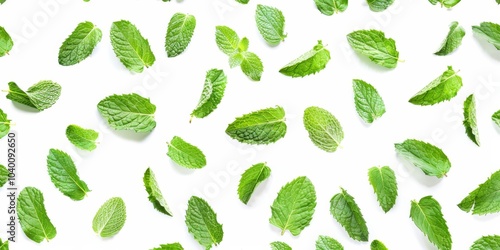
x,y
116,167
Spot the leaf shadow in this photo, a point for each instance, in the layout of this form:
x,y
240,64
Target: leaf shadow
x,y
366,61
422,239
131,135
25,108
181,170
489,48
486,218
417,174
259,190
497,128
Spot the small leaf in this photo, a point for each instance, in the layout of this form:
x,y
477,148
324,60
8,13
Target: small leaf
x,y
378,245
488,31
243,44
330,7
154,192
324,129
429,158
379,5
369,104
271,24
33,216
5,244
446,3
63,174
128,112
278,245
250,179
470,122
40,96
80,44
213,91
172,246
374,45
202,223
383,181
185,154
311,62
452,40
345,210
485,199
4,124
227,40
110,218
82,138
179,33
491,242
251,65
328,243
4,177
495,117
6,42
427,216
443,88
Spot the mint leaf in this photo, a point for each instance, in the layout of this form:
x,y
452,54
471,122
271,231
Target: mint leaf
x,y
485,199
154,192
427,216
5,244
227,40
271,24
259,127
185,154
202,223
368,102
82,138
328,243
251,65
323,128
179,33
378,245
128,112
488,31
4,176
374,45
40,96
345,210
443,88
242,1
452,40
80,44
250,179
4,124
278,245
490,242
329,7
446,3
379,5
293,209
470,122
63,174
495,117
243,44
311,62
6,42
33,216
383,181
429,158
110,218
173,246
213,91
130,46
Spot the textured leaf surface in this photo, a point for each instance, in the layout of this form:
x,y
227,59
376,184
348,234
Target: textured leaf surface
x,y
485,199
82,138
6,42
4,124
323,128
374,45
427,216
330,7
379,5
429,158
293,209
80,44
33,216
4,176
128,112
377,245
278,245
491,242
179,33
270,23
495,117
309,63
260,127
345,210
202,223
443,88
154,192
63,174
185,154
452,40
172,246
383,181
41,96
328,243
250,179
470,122
227,40
251,65
213,91
368,102
110,218
488,31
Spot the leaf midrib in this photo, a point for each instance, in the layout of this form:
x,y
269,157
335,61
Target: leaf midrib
x,y
38,217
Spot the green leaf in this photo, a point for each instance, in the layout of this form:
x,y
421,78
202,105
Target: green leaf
x,y
427,216
369,104
323,128
293,209
6,42
185,154
271,24
378,245
2,1
242,1
311,62
41,96
243,44
374,45
491,242
213,91
250,179
470,122
259,127
251,65
235,60
4,124
495,117
485,199
4,176
63,174
5,244
329,7
383,181
227,40
278,245
179,33
452,40
328,243
488,31
443,88
110,218
84,139
130,46
202,223
80,44
345,210
33,216
379,5
172,246
154,192
446,3
429,158
128,112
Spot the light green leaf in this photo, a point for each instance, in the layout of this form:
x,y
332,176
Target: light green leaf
x,y
243,44
271,24
328,243
491,242
110,218
293,209
179,33
368,102
6,42
41,96
378,245
311,62
278,245
82,138
374,45
329,7
4,124
172,246
250,179
429,158
80,44
446,3
242,1
63,174
383,181
251,65
4,177
427,216
379,5
185,154
495,117
485,199
154,192
452,40
488,31
443,88
213,91
130,46
345,210
259,127
470,122
323,128
33,216
5,244
202,223
128,112
235,60
227,40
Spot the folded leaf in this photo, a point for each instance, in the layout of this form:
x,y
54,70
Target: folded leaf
x,y
443,88
271,24
33,216
345,210
309,63
491,242
213,91
173,246
324,129
278,245
179,33
374,45
4,124
128,112
485,199
63,174
368,102
383,181
452,40
329,7
154,192
379,5
260,127
110,218
80,44
202,223
6,42
328,243
250,179
378,245
41,96
427,216
429,158
470,122
488,31
82,138
185,154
